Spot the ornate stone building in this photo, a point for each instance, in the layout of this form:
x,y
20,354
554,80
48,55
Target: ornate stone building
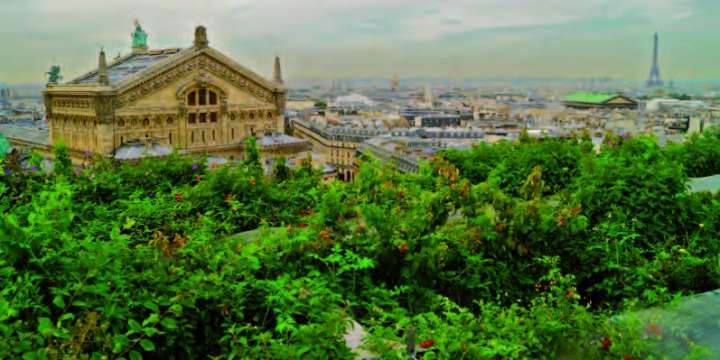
x,y
195,99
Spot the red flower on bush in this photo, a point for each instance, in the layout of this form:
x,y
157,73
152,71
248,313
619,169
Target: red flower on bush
x,y
178,196
570,294
427,343
198,178
606,343
627,357
303,225
325,235
252,182
403,248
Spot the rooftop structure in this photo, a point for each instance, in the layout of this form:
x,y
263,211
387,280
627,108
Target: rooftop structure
x,y
588,100
406,153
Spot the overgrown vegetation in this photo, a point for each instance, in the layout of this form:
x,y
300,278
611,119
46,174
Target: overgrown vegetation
x,y
513,250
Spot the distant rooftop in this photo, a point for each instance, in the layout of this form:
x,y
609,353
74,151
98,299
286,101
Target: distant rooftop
x,y
134,151
590,98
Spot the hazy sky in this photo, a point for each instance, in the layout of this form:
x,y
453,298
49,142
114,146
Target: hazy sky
x,y
329,39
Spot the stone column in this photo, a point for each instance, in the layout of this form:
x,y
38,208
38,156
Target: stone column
x,y
105,116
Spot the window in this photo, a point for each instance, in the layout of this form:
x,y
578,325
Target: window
x,y
252,116
213,135
169,121
146,122
213,98
203,136
170,138
232,133
201,97
121,140
192,137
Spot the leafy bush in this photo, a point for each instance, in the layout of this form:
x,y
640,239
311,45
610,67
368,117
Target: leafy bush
x,y
513,250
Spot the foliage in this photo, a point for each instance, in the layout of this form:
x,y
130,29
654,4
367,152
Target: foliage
x,y
512,250
700,154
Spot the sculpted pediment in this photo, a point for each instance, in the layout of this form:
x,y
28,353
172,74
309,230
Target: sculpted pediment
x,y
203,69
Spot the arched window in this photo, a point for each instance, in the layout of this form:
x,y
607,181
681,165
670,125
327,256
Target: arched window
x,y
202,99
202,106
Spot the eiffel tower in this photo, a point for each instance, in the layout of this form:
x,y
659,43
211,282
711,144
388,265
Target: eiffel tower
x,y
654,78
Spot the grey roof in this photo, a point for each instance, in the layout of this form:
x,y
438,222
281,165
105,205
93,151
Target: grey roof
x,y
134,151
128,66
29,134
278,139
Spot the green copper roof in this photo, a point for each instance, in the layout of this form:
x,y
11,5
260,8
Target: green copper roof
x,y
590,98
4,146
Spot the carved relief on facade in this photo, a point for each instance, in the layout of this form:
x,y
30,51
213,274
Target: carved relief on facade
x,y
200,62
71,103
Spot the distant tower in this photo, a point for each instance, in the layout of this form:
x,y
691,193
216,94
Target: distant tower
x,y
277,72
428,94
139,39
654,79
395,82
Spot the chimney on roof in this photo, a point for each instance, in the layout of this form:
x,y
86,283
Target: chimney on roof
x,y
277,72
201,40
103,78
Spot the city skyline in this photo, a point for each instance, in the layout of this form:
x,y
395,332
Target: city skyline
x,y
322,39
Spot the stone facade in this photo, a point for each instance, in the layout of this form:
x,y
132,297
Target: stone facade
x,y
337,151
195,99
